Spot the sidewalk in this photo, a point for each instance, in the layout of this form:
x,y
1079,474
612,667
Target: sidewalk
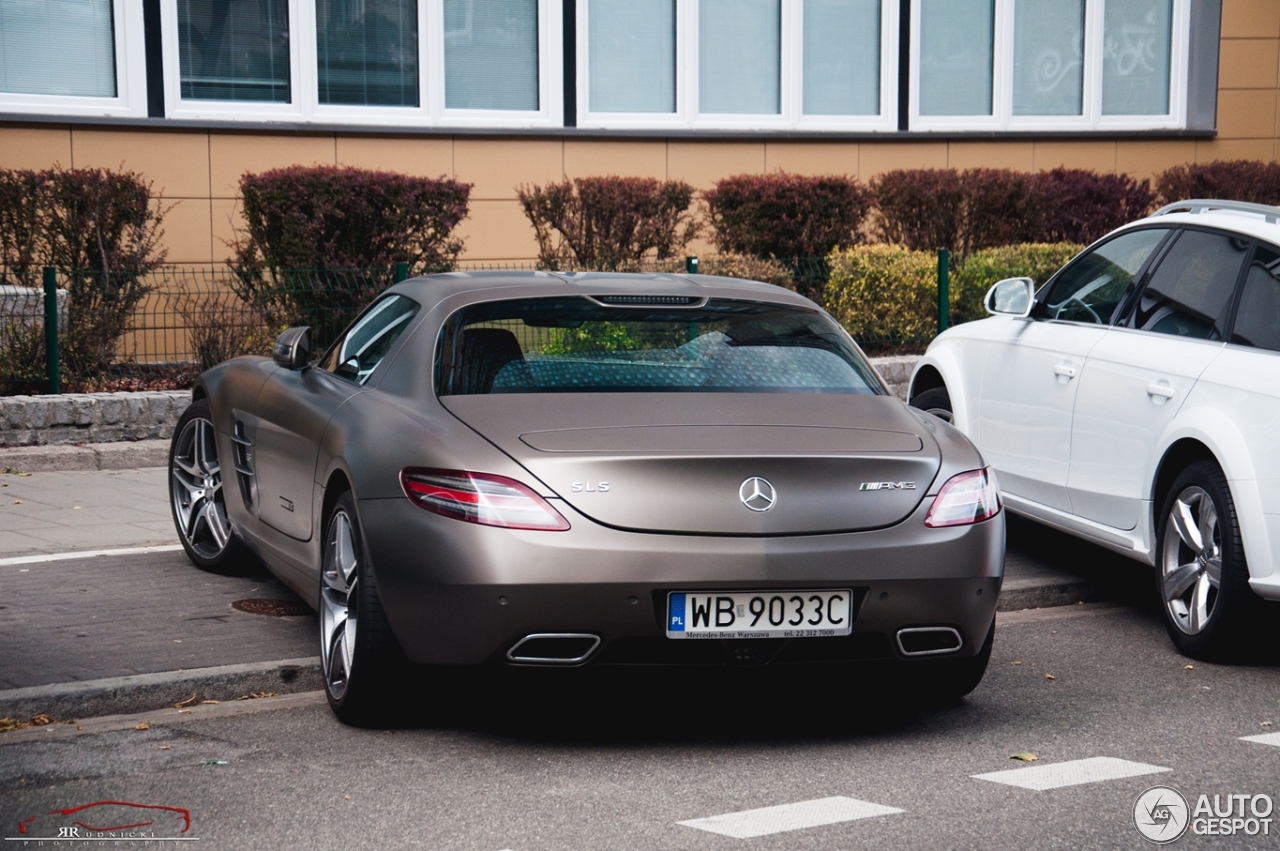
x,y
79,619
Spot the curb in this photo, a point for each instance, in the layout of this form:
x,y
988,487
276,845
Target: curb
x,y
142,692
88,456
1018,594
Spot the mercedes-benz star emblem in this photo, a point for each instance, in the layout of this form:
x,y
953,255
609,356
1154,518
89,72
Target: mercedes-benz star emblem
x,y
757,494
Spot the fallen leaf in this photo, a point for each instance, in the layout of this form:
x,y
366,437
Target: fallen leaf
x,y
1050,677
1266,724
163,747
1017,662
260,694
75,508
7,724
143,726
184,711
17,502
188,702
207,702
78,727
347,797
41,720
1189,668
1025,757
215,762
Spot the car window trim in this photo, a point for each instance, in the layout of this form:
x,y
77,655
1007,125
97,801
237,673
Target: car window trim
x,y
1135,284
337,344
1238,297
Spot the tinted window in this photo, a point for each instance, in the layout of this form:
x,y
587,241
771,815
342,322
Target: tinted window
x,y
1092,287
574,345
365,343
1258,318
1189,294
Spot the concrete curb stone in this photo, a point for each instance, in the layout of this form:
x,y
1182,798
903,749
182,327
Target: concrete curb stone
x,y
91,456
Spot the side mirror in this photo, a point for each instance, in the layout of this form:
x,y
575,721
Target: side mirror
x,y
1011,297
293,348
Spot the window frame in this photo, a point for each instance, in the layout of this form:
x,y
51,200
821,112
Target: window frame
x,y
1091,118
791,114
1238,298
304,83
130,100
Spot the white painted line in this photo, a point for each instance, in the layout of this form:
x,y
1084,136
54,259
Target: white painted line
x,y
767,820
1272,739
122,551
1074,773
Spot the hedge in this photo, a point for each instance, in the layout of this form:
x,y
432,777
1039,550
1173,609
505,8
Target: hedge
x,y
1231,180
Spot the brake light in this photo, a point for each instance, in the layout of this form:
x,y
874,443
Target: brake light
x,y
480,498
966,498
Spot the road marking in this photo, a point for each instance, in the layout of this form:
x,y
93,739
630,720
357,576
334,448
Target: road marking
x,y
122,551
1074,773
1272,739
767,820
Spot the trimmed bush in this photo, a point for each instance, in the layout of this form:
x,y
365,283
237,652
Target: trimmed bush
x,y
787,215
971,279
320,241
921,209
608,222
1083,206
1230,180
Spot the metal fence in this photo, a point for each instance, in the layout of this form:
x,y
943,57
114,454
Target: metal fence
x,y
94,331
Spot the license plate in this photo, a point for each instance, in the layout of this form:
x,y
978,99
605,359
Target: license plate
x,y
760,614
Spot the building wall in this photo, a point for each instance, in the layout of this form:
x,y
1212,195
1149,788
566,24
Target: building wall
x,y
198,171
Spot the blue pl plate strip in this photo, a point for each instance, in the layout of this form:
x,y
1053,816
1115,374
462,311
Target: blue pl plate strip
x,y
675,613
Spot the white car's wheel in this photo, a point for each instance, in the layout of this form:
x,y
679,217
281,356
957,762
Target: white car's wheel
x,y
936,401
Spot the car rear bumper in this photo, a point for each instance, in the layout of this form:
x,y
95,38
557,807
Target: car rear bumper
x,y
461,594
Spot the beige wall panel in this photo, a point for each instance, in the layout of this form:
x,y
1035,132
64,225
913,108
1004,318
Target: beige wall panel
x,y
627,159
1247,113
812,157
1095,156
1147,159
1248,63
1015,155
36,148
226,221
875,158
497,230
703,163
177,163
233,154
1250,19
417,157
496,167
1209,150
187,231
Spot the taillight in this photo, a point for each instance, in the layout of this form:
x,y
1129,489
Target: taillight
x,y
966,498
480,498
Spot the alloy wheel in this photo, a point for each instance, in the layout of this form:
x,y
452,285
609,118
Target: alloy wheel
x,y
339,596
1191,560
198,501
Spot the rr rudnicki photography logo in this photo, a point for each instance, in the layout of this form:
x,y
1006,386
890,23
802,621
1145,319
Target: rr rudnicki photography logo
x,y
106,822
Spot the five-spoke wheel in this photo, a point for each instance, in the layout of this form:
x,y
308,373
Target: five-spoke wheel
x,y
1191,560
196,494
339,604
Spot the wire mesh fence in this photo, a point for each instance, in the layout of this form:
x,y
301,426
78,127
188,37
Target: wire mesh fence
x,y
160,330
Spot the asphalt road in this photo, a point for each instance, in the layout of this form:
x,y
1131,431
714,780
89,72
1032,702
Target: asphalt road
x,y
594,765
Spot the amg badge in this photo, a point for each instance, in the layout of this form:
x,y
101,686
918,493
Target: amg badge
x,y
885,486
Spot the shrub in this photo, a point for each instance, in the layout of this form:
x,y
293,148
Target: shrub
x,y
787,215
608,222
221,326
1082,206
922,209
331,221
1232,180
971,279
102,230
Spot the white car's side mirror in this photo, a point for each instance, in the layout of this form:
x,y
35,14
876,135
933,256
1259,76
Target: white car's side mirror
x,y
1011,297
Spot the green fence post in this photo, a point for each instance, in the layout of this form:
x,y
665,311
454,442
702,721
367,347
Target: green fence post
x,y
944,290
691,265
402,271
51,329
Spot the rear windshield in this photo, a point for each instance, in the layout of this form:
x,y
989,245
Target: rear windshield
x,y
575,345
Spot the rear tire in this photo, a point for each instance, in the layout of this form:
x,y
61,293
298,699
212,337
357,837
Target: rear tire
x,y
197,498
360,658
1201,574
936,401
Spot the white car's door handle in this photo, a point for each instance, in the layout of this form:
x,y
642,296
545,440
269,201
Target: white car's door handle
x,y
1162,390
1066,371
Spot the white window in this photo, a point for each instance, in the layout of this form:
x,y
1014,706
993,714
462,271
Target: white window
x,y
72,57
738,64
478,63
1049,64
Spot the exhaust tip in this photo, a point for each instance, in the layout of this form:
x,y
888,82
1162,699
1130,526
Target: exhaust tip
x,y
554,648
929,640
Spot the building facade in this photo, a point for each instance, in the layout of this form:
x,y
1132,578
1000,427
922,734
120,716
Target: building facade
x,y
194,93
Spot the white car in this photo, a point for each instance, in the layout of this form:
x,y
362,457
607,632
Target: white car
x,y
1135,401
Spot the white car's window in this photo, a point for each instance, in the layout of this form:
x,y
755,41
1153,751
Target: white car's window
x,y
359,351
1190,292
1092,287
1258,317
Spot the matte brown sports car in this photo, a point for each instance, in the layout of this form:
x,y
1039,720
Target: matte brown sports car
x,y
593,469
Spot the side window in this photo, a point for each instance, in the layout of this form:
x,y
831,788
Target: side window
x,y
357,354
1092,287
1258,317
1190,292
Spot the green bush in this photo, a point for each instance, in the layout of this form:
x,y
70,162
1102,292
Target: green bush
x,y
889,294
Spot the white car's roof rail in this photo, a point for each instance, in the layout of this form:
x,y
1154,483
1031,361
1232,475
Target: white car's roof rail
x,y
1201,205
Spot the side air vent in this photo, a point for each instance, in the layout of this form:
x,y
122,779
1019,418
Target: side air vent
x,y
650,300
245,475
